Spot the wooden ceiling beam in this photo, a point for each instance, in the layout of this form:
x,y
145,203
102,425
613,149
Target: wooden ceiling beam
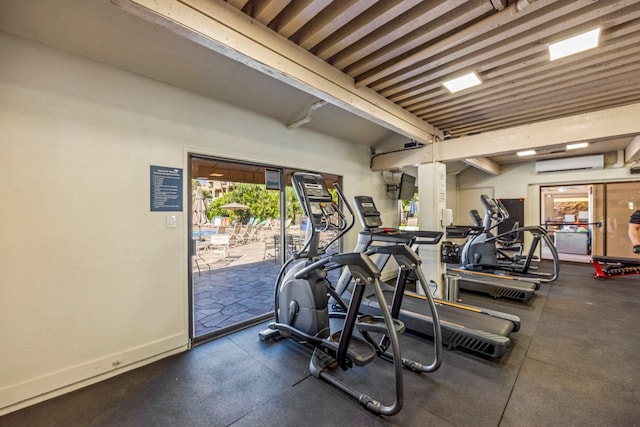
x,y
460,43
492,66
474,52
238,4
328,21
499,4
396,36
296,14
362,25
506,92
619,121
484,164
435,77
508,121
464,132
632,152
524,76
265,11
544,113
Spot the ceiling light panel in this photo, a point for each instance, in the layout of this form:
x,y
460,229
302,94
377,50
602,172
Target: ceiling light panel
x,y
577,145
526,153
574,44
462,82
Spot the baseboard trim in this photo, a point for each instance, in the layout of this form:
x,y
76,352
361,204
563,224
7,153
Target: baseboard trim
x,y
36,390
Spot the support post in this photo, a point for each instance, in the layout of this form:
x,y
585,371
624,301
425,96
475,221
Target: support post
x,y
432,199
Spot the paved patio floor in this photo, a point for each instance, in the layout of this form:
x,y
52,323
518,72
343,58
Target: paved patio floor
x,y
233,289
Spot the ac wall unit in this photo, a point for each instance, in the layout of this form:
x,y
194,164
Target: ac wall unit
x,y
571,164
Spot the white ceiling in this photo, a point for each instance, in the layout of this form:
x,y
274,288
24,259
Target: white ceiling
x,y
400,49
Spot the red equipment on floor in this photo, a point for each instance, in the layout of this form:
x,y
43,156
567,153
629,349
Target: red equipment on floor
x,y
607,266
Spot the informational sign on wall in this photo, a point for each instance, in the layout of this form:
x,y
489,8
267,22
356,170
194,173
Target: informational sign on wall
x,y
272,179
166,189
442,185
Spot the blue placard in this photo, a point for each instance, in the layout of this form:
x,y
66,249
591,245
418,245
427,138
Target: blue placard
x,y
166,189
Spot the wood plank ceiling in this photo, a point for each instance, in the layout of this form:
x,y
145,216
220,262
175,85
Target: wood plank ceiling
x,y
405,49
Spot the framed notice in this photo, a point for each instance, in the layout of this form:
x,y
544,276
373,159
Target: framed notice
x,y
166,189
272,179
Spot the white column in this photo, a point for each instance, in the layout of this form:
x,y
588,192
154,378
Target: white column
x,y
432,196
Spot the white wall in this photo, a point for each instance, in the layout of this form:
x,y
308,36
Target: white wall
x,y
91,282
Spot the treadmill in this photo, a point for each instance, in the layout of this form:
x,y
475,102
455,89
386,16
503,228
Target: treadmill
x,y
489,283
478,330
495,285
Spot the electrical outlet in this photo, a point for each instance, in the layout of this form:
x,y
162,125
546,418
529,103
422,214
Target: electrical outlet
x,y
171,221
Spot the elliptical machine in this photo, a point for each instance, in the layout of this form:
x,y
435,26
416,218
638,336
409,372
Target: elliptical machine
x,y
480,252
302,294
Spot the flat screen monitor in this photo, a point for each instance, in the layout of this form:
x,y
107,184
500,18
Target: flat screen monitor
x,y
407,187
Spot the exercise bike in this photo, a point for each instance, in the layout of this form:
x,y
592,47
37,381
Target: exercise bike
x,y
301,301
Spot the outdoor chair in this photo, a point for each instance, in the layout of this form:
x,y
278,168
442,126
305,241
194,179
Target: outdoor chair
x,y
235,238
219,244
256,234
272,243
197,251
212,250
245,234
269,246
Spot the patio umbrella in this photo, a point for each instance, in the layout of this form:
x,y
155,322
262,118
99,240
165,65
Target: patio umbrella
x,y
235,206
199,210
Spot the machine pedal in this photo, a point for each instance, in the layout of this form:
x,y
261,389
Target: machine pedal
x,y
359,352
269,334
370,323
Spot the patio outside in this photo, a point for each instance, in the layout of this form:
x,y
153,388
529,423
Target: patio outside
x,y
236,252
233,282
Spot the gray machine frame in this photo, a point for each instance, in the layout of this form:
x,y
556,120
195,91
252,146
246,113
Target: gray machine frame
x,y
301,304
479,330
480,252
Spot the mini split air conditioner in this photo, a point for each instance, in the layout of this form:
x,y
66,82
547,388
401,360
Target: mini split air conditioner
x,y
571,164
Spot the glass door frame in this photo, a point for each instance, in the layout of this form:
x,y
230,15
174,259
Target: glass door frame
x,y
283,174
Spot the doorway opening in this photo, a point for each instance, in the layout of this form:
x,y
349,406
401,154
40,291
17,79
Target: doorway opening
x,y
245,223
589,219
568,214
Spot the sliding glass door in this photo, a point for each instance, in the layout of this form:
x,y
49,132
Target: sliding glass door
x,y
246,221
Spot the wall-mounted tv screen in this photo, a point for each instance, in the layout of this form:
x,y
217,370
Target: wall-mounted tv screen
x,y
407,187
